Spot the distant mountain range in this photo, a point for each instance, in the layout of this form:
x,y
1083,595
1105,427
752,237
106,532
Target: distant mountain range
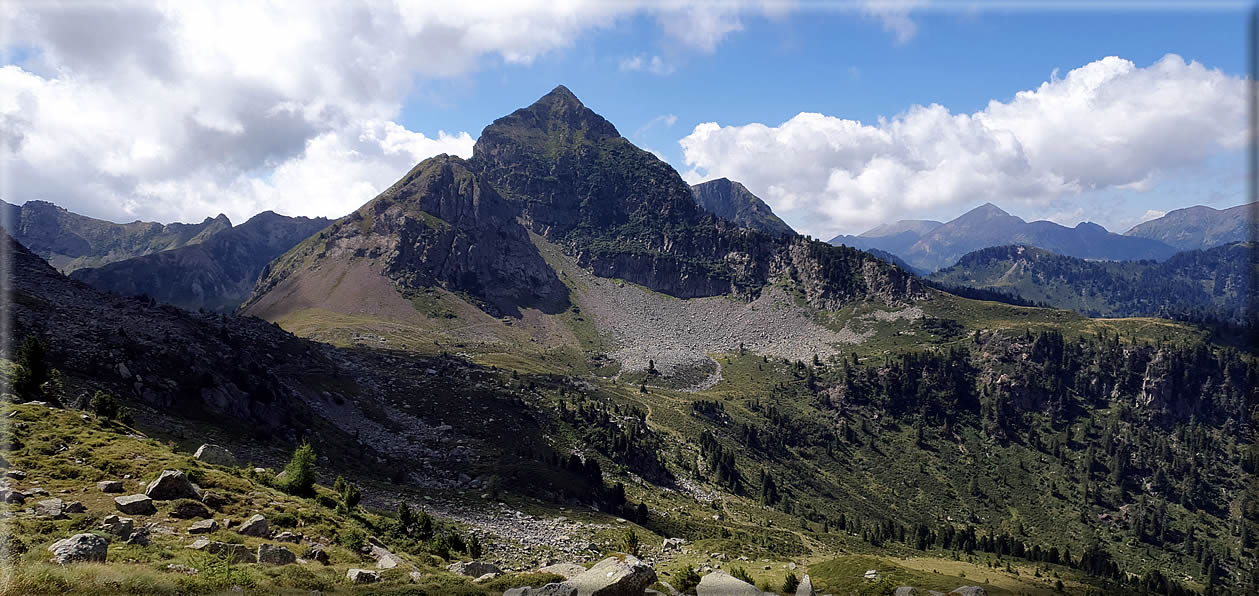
x,y
1198,227
216,273
732,201
930,245
70,241
1211,284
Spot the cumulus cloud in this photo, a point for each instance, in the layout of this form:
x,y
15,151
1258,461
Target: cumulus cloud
x,y
654,65
894,16
1106,125
1151,214
181,109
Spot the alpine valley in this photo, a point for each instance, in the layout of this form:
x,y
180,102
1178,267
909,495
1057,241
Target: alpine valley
x,y
555,367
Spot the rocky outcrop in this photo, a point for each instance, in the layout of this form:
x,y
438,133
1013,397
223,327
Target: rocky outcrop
x,y
620,575
362,576
720,583
171,485
733,202
274,554
50,509
80,548
255,526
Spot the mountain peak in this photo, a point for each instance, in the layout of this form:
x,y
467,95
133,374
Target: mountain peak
x,y
557,118
987,210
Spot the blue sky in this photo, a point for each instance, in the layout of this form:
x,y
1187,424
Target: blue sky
x,y
314,112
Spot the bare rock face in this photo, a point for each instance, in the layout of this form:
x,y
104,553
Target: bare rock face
x,y
170,485
620,575
275,554
135,505
80,548
362,576
255,526
213,454
720,583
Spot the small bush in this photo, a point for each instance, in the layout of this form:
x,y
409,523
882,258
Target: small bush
x,y
299,474
740,573
284,520
353,539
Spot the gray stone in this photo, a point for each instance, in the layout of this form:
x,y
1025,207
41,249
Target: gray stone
x,y
182,569
76,507
564,570
236,553
386,559
672,543
50,509
118,526
36,492
806,587
486,577
275,554
968,591
904,591
287,537
171,485
4,463
213,454
316,553
12,496
362,576
255,526
80,548
415,576
189,509
205,526
110,486
135,505
553,589
620,575
16,474
720,583
473,568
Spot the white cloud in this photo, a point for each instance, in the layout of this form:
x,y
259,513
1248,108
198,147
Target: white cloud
x,y
1151,214
654,65
894,16
180,109
1106,125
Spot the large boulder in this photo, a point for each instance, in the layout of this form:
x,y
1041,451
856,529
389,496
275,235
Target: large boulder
x,y
189,509
135,505
316,553
205,526
720,583
473,568
255,526
109,486
275,554
118,526
565,570
213,454
362,576
968,591
386,559
236,553
12,496
806,587
905,591
555,589
80,548
171,485
620,575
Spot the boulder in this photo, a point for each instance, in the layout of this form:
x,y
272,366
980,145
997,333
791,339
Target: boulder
x,y
806,587
15,474
213,454
205,526
316,553
236,553
415,576
672,543
473,568
362,576
118,526
36,492
487,577
904,591
720,583
182,569
140,536
255,526
565,570
50,509
109,486
189,509
968,591
275,554
135,505
386,559
171,485
76,507
555,589
287,537
618,575
12,496
80,548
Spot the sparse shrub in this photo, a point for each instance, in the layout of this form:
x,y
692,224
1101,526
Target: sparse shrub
x,y
629,543
353,539
687,579
740,573
105,405
791,582
299,474
284,520
440,547
350,498
326,500
456,542
474,547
